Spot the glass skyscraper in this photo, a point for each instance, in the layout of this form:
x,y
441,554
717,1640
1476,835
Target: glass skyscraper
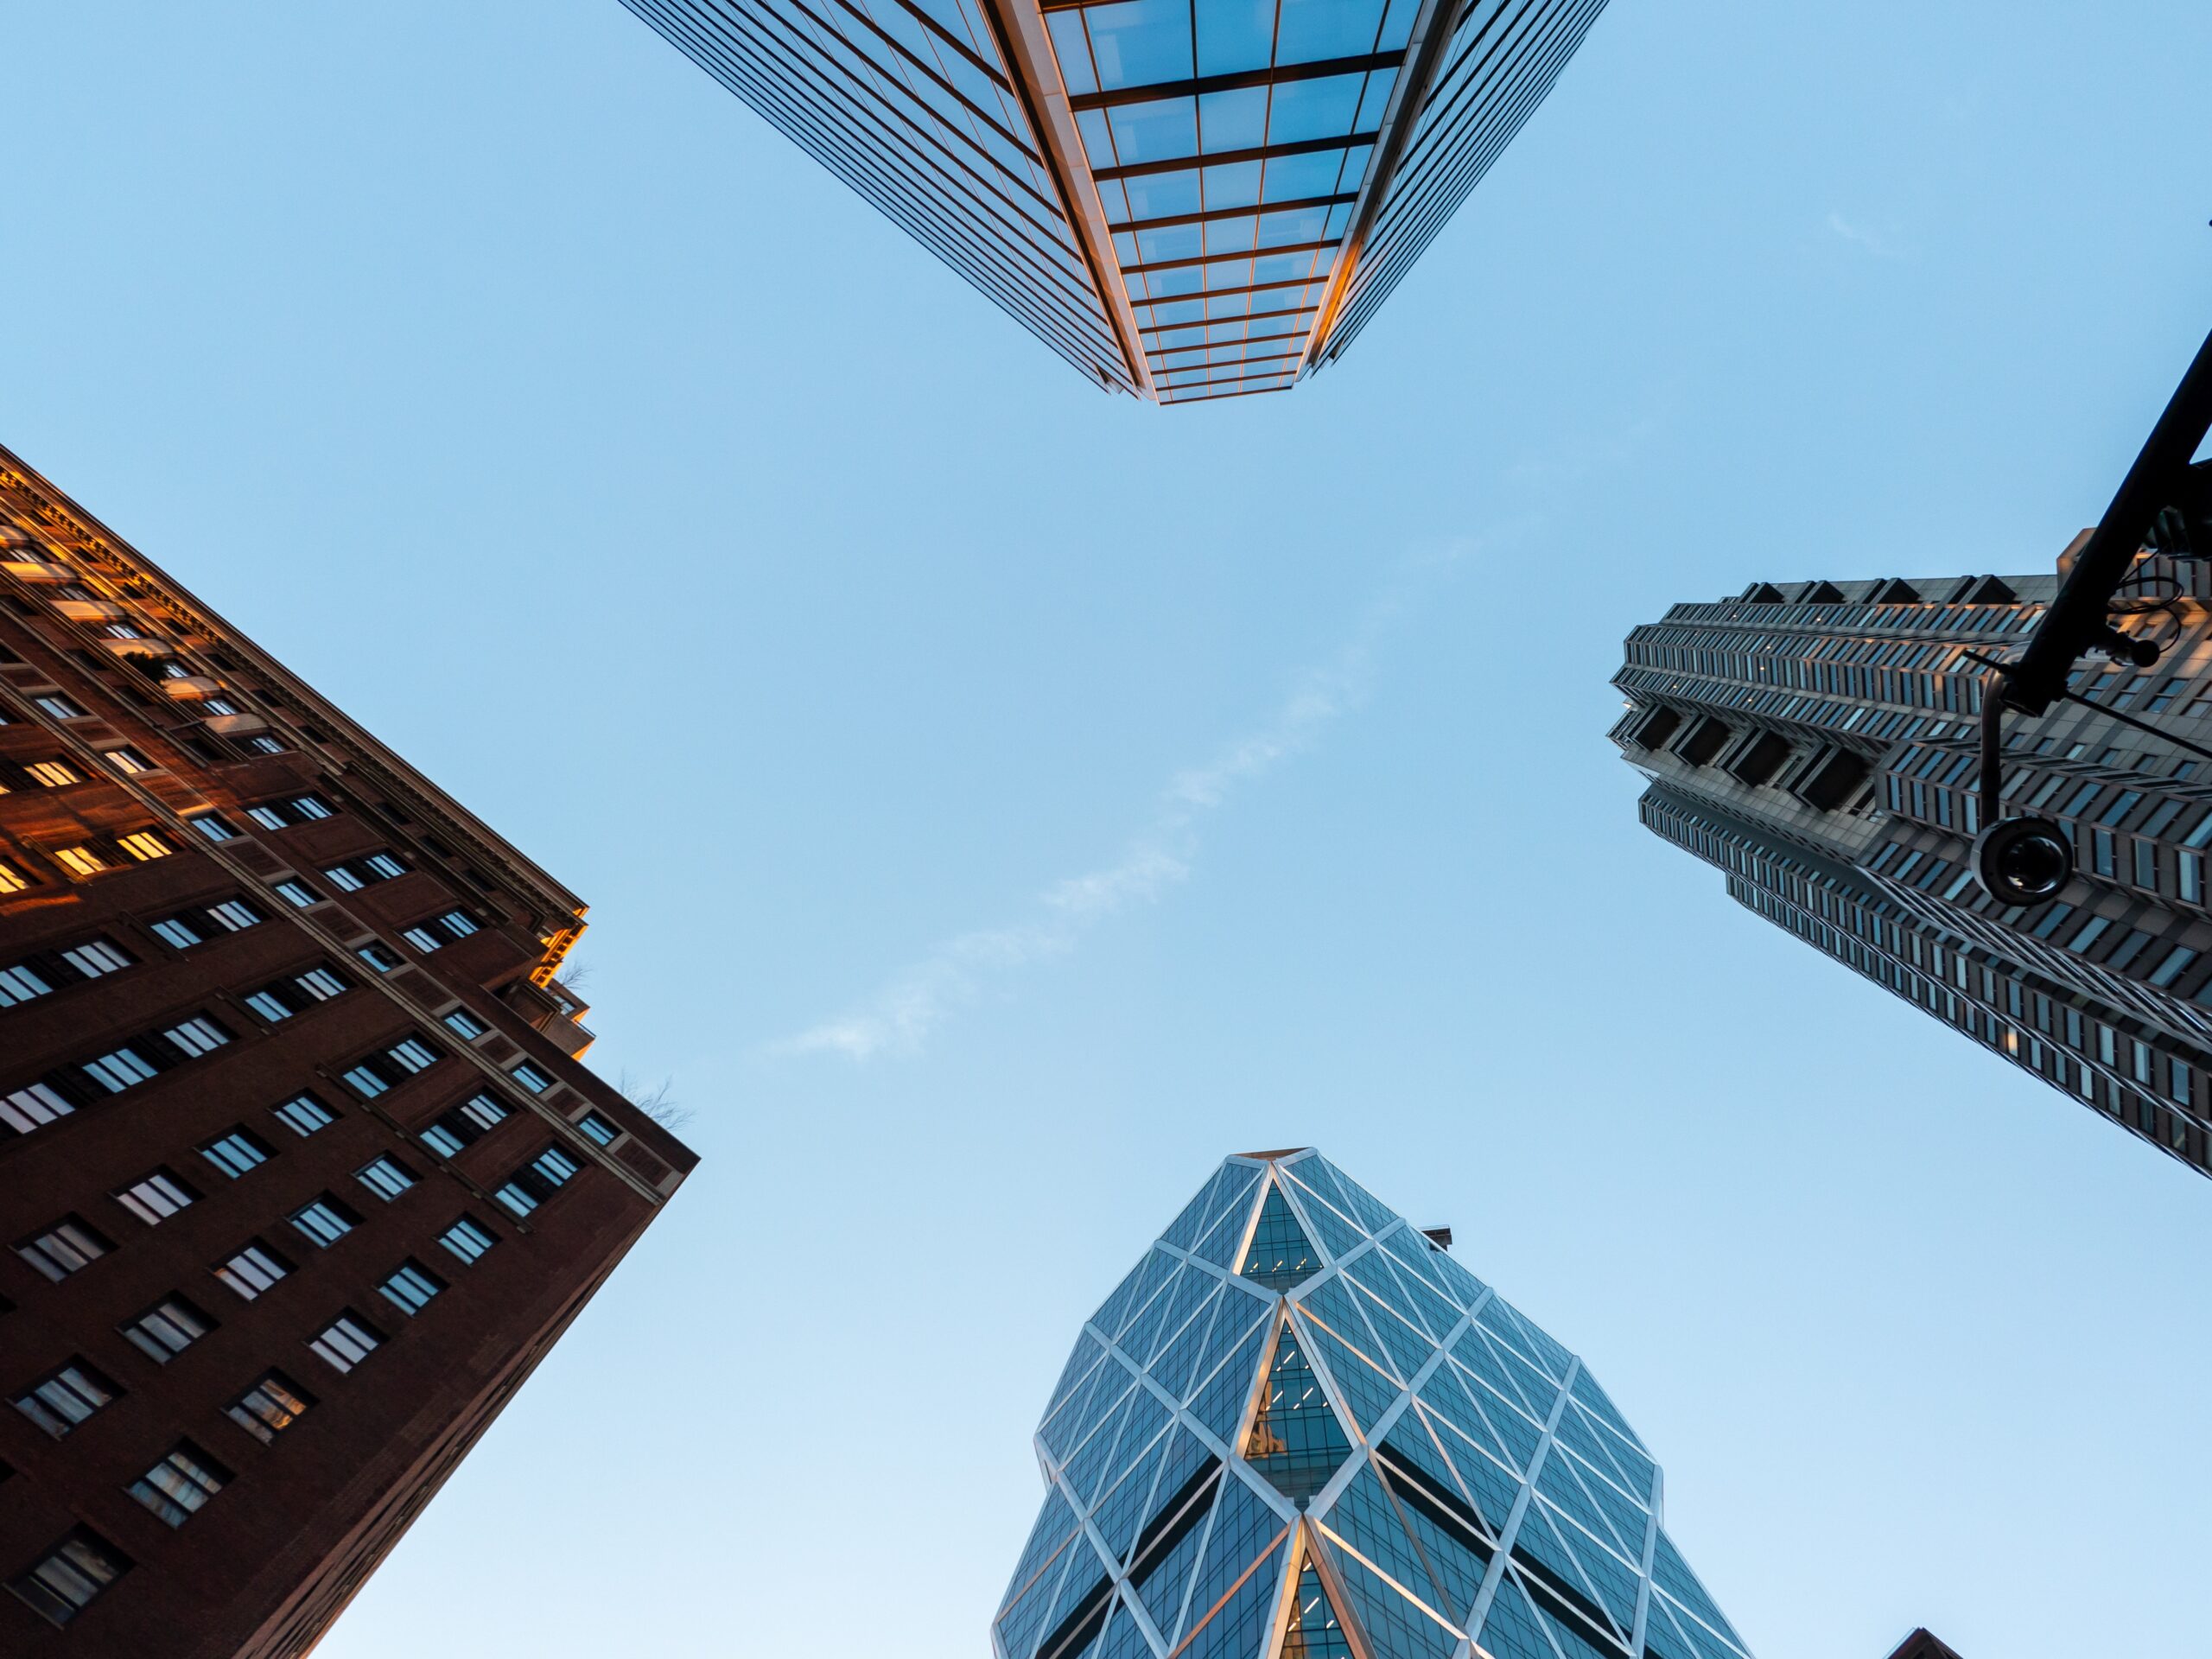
x,y
1298,1429
1185,198
1817,742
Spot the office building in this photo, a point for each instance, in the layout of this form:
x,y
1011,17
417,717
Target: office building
x,y
1186,201
1818,744
1920,1645
299,1176
1299,1429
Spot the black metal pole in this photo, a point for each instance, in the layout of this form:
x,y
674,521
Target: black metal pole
x,y
2078,618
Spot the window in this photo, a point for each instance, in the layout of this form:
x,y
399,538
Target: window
x,y
64,1247
145,845
174,1488
43,971
346,1341
213,825
422,938
237,1152
198,1035
378,956
386,1177
98,957
307,807
127,760
537,1181
271,1407
531,1078
304,1115
384,866
467,1239
324,1222
53,774
66,1398
33,1106
11,879
80,860
410,1288
71,1575
372,1076
2171,968
461,1127
463,1023
59,706
596,1128
190,927
296,892
457,924
167,1329
156,1197
253,1270
263,745
298,994
341,876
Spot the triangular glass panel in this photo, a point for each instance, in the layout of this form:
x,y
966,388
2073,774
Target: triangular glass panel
x,y
1363,1389
1364,1518
1020,1624
1295,1440
1128,1296
1494,1490
1461,1285
1333,1303
1080,1611
1454,1564
1407,1348
1164,1574
1123,1640
1587,1391
1629,1523
1589,1441
1394,1628
1557,1483
1184,1230
1056,1523
1445,1395
1538,1540
1189,1291
1570,1638
1412,1444
1239,1628
1220,1244
1673,1575
1087,1354
1510,1629
1244,1527
1314,1632
1282,1256
1221,1402
1125,1504
1137,1342
1339,1236
1172,1369
1362,1204
1437,1310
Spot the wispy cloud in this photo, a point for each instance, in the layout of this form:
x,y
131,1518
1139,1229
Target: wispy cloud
x,y
1882,244
899,1019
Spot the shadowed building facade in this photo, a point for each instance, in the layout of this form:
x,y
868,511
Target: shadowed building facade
x,y
1817,743
300,1175
1920,1645
1185,198
1298,1428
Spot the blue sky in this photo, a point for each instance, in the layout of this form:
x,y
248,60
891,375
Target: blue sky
x,y
998,801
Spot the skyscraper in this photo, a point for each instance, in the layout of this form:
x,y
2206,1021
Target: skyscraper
x,y
1920,1645
1184,200
1299,1429
299,1176
1817,743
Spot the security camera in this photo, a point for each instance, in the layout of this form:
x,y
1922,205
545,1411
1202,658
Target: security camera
x,y
2023,862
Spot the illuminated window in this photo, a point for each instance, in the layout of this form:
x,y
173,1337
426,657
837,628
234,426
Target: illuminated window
x,y
53,773
145,845
127,760
11,879
80,860
271,1407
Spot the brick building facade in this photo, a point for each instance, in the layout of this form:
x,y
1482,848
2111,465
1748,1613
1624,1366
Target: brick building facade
x,y
300,1175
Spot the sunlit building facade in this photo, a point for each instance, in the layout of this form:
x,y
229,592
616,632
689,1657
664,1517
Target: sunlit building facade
x,y
1185,198
300,1173
1817,743
1299,1429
